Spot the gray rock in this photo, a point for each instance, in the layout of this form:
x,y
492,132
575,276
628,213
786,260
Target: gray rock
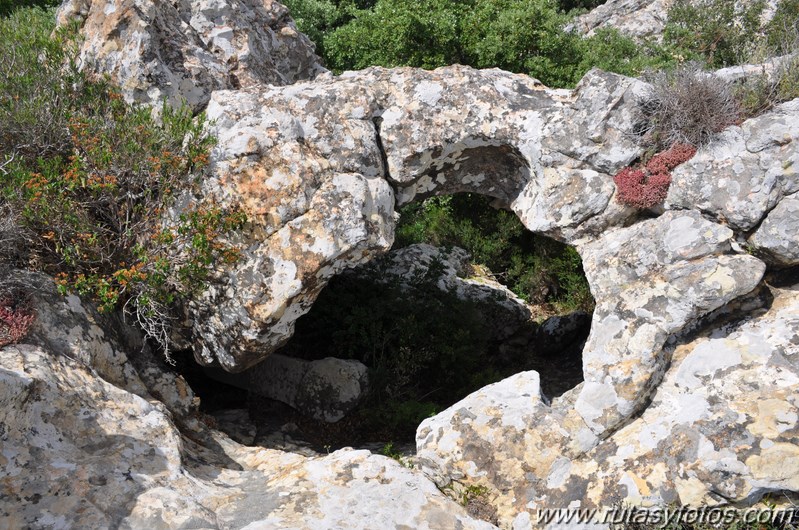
x,y
745,173
450,270
635,18
778,235
560,332
649,280
306,164
182,51
78,451
326,389
641,18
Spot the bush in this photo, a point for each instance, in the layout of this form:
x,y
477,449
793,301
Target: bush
x,y
718,32
525,36
87,179
685,106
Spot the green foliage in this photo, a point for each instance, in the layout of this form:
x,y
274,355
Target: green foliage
x,y
88,177
719,32
782,31
397,33
525,36
609,50
7,7
536,268
472,492
389,451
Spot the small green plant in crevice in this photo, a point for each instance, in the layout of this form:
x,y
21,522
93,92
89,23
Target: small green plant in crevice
x,y
389,451
88,180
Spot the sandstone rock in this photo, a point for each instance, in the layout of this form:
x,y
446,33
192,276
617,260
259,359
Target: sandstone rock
x,y
778,235
160,49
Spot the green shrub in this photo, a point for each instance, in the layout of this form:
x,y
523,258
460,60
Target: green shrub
x,y
88,178
7,7
719,32
536,268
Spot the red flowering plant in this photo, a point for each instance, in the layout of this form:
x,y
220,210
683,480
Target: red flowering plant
x,y
648,186
15,321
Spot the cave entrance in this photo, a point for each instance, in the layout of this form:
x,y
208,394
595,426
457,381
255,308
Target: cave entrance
x,y
466,297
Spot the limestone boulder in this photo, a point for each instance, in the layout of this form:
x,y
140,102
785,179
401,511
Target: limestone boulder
x,y
636,18
81,451
641,19
650,281
157,50
778,235
745,173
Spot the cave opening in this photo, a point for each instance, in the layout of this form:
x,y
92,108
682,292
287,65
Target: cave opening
x,y
466,297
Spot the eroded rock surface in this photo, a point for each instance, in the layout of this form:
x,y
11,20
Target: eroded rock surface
x,y
650,280
450,270
641,18
320,167
743,175
636,18
778,235
161,49
325,389
80,451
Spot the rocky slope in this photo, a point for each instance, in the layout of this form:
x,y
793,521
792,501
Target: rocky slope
x,y
691,371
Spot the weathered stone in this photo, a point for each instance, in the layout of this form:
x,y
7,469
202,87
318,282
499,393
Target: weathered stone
x,y
316,166
723,426
744,174
636,18
450,270
160,49
642,18
778,235
649,280
325,389
560,332
80,452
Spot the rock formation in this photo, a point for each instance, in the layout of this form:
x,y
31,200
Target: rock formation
x,y
640,18
89,441
690,391
182,51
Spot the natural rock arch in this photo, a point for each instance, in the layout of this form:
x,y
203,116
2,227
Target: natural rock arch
x,y
320,167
